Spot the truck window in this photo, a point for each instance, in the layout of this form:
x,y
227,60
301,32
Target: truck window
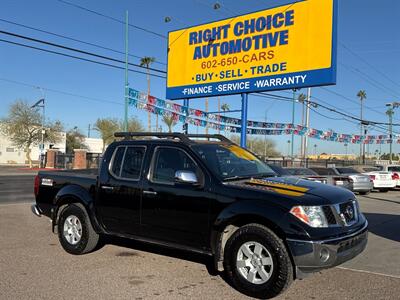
x,y
117,161
169,160
133,161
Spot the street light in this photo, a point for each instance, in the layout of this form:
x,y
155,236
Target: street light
x,y
390,113
41,103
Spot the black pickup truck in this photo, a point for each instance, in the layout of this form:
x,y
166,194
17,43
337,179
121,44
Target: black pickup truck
x,y
203,193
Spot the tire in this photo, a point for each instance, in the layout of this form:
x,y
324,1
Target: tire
x,y
383,190
280,271
364,193
75,231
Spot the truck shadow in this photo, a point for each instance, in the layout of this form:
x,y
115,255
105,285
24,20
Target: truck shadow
x,y
384,225
160,250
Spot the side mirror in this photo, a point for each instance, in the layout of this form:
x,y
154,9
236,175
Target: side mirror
x,y
186,177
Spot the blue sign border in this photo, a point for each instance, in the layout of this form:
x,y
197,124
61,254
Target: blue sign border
x,y
313,78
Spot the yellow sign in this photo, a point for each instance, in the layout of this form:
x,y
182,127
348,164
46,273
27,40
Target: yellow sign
x,y
289,46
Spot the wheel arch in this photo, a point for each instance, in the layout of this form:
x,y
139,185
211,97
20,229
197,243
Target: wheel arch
x,y
225,227
71,194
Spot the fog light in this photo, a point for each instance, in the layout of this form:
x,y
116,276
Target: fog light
x,y
324,255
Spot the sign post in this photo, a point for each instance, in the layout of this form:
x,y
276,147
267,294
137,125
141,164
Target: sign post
x,y
243,130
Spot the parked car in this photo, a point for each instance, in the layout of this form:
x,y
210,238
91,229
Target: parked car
x,y
211,197
307,174
333,178
278,170
395,169
382,181
362,183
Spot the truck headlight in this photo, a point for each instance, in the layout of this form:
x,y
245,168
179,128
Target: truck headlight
x,y
311,215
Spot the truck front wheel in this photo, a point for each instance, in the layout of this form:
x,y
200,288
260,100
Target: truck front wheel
x,y
75,231
257,262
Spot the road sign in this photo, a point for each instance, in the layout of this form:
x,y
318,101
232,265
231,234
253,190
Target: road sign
x,y
285,47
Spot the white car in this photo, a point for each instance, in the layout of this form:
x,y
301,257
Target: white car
x,y
395,169
383,181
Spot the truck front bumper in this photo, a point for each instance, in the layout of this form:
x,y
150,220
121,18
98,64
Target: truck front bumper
x,y
312,256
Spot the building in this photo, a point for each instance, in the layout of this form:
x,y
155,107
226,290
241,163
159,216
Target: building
x,y
9,154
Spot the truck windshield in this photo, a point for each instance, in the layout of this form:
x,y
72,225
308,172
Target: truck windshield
x,y
232,162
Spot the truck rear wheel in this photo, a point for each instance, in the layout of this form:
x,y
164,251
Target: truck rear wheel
x,y
75,231
257,262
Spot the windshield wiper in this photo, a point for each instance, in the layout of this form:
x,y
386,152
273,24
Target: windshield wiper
x,y
239,177
264,175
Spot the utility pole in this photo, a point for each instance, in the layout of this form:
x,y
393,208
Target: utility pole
x,y
88,133
307,121
292,139
361,134
126,72
41,104
390,113
207,115
219,114
265,136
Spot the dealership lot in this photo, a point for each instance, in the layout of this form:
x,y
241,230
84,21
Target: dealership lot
x,y
34,266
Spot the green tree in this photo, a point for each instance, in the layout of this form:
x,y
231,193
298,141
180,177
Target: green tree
x,y
134,125
225,107
107,127
146,62
75,139
362,95
259,146
23,126
169,121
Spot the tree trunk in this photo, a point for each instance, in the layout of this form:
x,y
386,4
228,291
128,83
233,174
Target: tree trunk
x,y
28,156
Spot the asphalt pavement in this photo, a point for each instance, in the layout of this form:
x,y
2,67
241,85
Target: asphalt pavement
x,y
16,188
34,266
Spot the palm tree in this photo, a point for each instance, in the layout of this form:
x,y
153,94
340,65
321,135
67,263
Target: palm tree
x,y
362,95
225,107
106,127
146,62
169,121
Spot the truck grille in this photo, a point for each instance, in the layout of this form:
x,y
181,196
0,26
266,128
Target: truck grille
x,y
330,217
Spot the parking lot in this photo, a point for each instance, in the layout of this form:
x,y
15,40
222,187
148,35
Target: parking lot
x,y
33,264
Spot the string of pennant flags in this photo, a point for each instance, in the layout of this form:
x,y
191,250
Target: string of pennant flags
x,y
201,118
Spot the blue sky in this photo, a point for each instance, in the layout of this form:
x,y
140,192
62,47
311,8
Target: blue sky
x,y
368,58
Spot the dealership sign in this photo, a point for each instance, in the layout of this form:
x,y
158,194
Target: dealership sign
x,y
285,47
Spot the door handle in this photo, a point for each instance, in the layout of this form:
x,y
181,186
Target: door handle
x,y
149,192
106,187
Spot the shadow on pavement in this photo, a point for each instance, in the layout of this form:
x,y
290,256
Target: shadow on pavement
x,y
382,199
175,253
384,225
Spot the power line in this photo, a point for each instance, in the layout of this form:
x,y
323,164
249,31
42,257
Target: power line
x,y
111,18
371,80
74,39
77,50
368,64
60,92
79,58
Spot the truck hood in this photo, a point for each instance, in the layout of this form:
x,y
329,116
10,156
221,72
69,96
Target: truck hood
x,y
303,192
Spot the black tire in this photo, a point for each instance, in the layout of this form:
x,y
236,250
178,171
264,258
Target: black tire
x,y
383,190
282,272
364,193
89,238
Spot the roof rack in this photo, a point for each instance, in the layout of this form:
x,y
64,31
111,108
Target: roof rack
x,y
185,138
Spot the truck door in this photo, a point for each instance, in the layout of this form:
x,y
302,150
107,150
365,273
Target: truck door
x,y
118,203
172,211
